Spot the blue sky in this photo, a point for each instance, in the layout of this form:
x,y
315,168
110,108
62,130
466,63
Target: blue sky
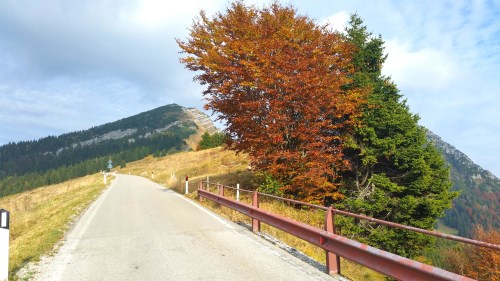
x,y
70,65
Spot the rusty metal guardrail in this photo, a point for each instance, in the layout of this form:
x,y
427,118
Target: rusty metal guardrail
x,y
335,245
391,224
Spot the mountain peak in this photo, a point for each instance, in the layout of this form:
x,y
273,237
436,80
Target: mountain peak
x,y
201,119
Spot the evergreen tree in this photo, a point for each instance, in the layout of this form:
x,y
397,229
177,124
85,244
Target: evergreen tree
x,y
397,175
210,141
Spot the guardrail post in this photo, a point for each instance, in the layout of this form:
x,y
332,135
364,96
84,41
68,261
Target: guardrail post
x,y
4,244
255,203
237,192
221,190
200,187
332,260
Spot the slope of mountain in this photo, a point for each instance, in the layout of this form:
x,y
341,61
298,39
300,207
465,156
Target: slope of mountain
x,y
479,201
28,164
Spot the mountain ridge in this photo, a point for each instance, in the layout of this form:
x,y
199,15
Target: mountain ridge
x,y
478,203
167,129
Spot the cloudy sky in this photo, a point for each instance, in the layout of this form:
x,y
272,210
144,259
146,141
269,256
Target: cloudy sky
x,y
70,65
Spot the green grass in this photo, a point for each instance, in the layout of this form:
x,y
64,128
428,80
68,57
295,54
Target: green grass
x,y
446,229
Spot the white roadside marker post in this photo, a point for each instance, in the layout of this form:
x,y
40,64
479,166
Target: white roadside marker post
x,y
4,244
105,180
237,192
187,180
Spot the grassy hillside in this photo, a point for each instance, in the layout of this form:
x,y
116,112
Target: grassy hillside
x,y
39,218
218,164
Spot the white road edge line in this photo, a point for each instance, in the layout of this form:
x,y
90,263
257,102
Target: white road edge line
x,y
206,211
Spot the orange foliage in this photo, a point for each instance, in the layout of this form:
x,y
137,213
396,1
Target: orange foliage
x,y
484,263
476,262
276,79
455,259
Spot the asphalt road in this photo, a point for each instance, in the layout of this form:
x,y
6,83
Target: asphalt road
x,y
138,230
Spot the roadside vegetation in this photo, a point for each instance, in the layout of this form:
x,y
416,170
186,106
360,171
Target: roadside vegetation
x,y
41,217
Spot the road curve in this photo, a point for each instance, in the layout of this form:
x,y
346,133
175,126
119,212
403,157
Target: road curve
x,y
138,230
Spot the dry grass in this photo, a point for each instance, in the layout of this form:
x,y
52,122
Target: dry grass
x,y
216,163
39,218
226,167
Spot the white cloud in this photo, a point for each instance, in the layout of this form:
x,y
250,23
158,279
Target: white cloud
x,y
337,21
422,69
61,105
155,14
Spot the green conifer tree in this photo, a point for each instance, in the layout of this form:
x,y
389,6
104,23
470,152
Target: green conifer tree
x,y
397,175
210,141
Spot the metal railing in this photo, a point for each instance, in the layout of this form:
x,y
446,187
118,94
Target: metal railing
x,y
370,219
335,245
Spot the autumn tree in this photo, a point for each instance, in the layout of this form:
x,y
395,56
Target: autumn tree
x,y
473,261
488,265
276,78
397,174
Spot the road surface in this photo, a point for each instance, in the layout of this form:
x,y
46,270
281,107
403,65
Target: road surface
x,y
138,230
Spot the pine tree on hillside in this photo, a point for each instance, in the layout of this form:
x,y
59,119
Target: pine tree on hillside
x,y
397,175
210,141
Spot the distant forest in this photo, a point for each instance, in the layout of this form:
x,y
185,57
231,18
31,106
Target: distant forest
x,y
479,201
